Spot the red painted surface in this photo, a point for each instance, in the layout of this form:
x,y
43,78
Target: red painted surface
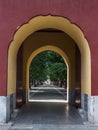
x,y
13,13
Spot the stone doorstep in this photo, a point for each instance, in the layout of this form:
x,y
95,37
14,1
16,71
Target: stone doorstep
x,y
9,126
47,126
21,128
6,126
88,124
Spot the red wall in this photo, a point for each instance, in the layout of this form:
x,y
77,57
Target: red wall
x,y
13,13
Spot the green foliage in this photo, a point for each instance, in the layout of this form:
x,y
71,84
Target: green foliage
x,y
48,64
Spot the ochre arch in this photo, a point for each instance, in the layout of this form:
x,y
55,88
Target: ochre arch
x,y
56,22
45,48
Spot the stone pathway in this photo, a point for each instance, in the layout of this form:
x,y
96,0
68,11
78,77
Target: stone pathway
x,y
39,116
48,115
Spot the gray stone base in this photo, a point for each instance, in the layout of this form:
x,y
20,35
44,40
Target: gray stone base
x,y
84,106
25,96
90,108
7,105
3,101
93,109
72,96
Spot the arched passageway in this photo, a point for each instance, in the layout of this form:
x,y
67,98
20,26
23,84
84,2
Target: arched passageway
x,y
57,51
60,43
48,81
74,32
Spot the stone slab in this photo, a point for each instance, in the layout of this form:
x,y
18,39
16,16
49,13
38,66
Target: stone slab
x,y
3,109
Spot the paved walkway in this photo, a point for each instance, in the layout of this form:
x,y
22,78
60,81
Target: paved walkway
x,y
48,116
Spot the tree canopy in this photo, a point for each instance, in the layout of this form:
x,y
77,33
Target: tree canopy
x,y
48,64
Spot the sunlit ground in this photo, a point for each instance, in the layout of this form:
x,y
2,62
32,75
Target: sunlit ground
x,y
47,94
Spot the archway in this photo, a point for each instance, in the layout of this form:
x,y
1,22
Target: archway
x,y
58,51
42,22
63,24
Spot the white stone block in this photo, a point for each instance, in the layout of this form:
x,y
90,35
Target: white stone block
x,y
2,109
93,109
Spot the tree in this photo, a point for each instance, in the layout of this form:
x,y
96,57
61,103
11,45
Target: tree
x,y
48,64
